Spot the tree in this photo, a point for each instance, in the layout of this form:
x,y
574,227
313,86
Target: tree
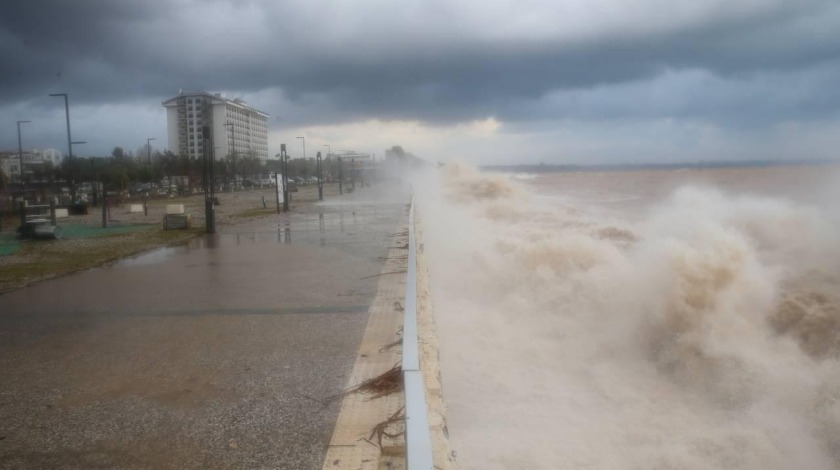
x,y
403,158
250,165
233,157
396,152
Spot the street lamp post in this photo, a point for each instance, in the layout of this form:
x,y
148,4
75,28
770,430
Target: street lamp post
x,y
149,147
340,178
230,144
277,181
208,152
69,144
284,165
305,171
320,184
304,147
20,150
329,152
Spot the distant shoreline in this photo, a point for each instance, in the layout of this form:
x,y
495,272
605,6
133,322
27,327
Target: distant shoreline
x,y
548,168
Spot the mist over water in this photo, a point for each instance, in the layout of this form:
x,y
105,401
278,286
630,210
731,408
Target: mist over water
x,y
651,321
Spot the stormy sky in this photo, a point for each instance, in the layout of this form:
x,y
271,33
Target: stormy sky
x,y
498,81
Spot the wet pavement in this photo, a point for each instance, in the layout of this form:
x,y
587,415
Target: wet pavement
x,y
218,354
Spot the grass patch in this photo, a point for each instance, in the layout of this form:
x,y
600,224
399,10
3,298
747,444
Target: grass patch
x,y
72,232
38,260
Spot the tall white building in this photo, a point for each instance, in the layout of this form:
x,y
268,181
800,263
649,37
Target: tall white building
x,y
235,127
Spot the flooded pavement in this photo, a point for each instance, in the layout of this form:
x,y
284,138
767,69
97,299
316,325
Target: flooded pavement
x,y
221,353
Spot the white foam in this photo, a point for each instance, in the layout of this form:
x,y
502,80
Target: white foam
x,y
697,337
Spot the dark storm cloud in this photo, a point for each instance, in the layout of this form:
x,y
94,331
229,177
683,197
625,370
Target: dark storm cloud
x,y
435,64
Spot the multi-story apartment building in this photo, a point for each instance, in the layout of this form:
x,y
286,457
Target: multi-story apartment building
x,y
236,128
32,161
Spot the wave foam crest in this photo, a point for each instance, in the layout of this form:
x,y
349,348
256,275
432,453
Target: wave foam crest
x,y
706,335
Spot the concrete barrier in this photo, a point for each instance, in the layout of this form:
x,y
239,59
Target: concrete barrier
x,y
48,231
174,209
418,442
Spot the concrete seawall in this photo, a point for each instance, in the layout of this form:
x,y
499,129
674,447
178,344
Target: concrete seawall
x,y
370,431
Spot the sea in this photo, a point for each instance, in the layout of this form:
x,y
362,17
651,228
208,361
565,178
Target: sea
x,y
647,319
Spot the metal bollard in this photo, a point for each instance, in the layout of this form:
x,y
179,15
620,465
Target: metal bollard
x,y
104,209
52,213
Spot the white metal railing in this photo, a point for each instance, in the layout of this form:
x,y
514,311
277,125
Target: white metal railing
x,y
418,442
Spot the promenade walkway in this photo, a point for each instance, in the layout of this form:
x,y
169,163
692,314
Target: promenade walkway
x,y
217,354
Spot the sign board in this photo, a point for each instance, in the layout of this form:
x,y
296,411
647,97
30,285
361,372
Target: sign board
x,y
176,221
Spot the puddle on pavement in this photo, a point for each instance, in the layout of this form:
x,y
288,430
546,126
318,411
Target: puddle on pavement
x,y
153,257
340,227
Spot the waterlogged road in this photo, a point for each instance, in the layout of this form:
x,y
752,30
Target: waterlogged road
x,y
218,354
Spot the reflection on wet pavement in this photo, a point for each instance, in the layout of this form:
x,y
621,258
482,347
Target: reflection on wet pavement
x,y
165,359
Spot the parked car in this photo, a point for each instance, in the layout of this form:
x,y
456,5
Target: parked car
x,y
141,188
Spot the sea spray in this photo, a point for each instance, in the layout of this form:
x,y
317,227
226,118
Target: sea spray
x,y
699,334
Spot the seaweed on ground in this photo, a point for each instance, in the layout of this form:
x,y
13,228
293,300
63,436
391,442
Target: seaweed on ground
x,y
387,383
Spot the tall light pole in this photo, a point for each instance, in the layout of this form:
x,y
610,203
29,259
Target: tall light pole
x,y
20,150
277,180
232,143
320,186
69,144
340,178
304,155
329,152
284,165
149,147
304,147
209,151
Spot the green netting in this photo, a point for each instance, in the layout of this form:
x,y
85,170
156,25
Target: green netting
x,y
88,231
9,244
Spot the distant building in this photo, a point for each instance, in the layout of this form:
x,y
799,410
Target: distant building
x,y
235,127
51,155
32,160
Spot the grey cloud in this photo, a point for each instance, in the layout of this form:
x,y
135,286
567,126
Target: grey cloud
x,y
437,64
